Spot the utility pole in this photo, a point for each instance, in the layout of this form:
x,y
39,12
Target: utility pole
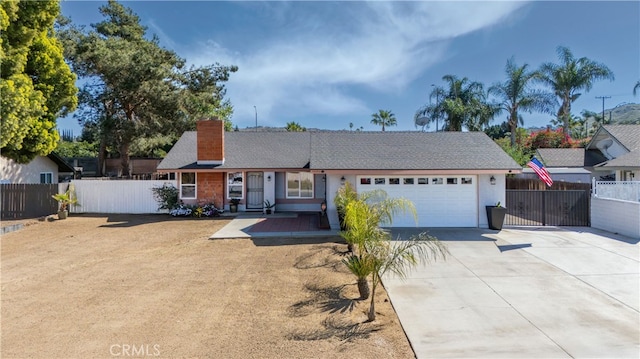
x,y
437,103
254,107
603,98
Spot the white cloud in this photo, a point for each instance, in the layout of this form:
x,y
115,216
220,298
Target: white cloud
x,y
312,68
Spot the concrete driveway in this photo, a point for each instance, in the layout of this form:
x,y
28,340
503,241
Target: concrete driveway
x,y
524,293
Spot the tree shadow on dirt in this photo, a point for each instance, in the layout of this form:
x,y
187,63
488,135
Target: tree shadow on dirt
x,y
325,299
342,329
321,256
331,300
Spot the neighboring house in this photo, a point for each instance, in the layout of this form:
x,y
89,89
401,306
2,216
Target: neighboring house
x,y
620,145
449,176
567,164
42,169
612,154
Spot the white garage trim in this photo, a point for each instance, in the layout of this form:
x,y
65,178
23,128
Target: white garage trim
x,y
440,200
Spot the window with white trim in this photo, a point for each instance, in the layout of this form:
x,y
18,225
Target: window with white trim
x,y
235,187
188,185
46,177
299,185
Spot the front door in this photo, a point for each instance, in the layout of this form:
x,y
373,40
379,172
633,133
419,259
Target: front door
x,y
255,191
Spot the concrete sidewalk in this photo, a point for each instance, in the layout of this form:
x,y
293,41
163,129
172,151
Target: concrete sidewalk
x,y
524,293
241,225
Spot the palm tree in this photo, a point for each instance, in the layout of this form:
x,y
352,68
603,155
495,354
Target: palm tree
x,y
361,266
636,88
463,104
363,214
569,77
295,127
515,94
384,118
375,254
399,257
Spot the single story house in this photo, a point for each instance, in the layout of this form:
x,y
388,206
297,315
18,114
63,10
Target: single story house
x,y
449,176
42,169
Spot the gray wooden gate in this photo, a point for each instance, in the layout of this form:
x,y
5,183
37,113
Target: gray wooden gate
x,y
547,208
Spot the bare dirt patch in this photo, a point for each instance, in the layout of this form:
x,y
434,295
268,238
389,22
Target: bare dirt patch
x,y
97,286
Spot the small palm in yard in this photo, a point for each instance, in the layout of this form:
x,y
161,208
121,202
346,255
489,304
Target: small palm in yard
x,y
361,266
399,257
375,254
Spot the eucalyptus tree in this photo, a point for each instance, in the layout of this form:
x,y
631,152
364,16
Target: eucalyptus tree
x,y
462,103
137,89
517,94
569,77
37,86
384,118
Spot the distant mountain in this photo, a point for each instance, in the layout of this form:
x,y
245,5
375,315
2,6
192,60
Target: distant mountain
x,y
625,114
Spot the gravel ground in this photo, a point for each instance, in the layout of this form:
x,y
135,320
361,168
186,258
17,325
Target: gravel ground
x,y
155,286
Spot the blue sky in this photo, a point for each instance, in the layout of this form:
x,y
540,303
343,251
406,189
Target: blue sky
x,y
328,64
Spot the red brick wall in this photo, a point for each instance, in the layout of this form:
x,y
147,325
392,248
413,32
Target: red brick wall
x,y
210,140
210,188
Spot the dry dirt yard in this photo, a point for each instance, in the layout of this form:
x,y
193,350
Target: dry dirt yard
x,y
156,286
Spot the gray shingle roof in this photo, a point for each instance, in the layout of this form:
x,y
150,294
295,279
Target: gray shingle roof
x,y
627,135
569,157
346,150
630,159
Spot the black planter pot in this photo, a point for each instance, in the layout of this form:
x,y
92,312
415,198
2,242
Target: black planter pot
x,y
495,216
233,208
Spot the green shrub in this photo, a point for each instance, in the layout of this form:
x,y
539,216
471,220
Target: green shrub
x,y
166,196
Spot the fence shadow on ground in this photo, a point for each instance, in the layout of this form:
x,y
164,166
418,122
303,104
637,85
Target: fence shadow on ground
x,y
446,234
288,241
510,247
132,220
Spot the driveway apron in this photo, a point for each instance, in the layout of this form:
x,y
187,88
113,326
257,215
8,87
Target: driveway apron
x,y
523,293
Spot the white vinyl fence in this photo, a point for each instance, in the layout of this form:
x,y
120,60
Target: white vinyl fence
x,y
615,207
117,196
622,190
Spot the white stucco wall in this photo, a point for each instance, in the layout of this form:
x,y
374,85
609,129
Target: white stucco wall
x,y
334,182
27,173
616,216
490,195
269,193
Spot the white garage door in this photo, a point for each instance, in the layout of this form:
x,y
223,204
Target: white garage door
x,y
441,201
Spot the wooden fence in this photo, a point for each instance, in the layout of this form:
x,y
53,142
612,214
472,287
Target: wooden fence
x,y
538,185
21,201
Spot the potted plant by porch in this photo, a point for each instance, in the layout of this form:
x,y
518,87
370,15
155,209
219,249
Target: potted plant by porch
x,y
64,200
233,205
495,216
268,207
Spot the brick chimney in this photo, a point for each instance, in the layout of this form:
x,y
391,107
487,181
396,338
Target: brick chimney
x,y
210,134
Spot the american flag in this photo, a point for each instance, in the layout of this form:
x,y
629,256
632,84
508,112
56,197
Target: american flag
x,y
542,172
